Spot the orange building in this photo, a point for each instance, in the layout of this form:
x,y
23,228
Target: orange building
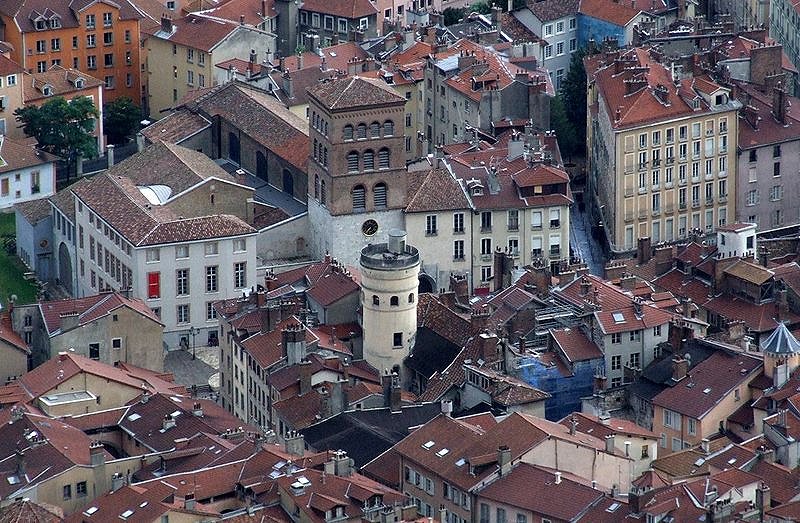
x,y
98,37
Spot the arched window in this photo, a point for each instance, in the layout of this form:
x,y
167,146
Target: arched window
x,y
379,192
316,146
388,128
411,298
348,132
322,192
325,127
375,130
383,158
376,300
394,301
316,186
369,160
325,157
361,131
359,198
352,162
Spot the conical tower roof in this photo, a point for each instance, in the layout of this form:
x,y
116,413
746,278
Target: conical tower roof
x,y
781,342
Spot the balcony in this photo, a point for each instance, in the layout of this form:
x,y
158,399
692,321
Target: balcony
x,y
555,224
486,228
643,166
723,198
656,212
458,230
555,250
682,206
709,202
431,232
536,253
670,160
682,181
668,185
695,204
723,174
486,256
642,190
709,176
513,227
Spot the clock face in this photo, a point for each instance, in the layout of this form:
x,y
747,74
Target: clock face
x,y
369,227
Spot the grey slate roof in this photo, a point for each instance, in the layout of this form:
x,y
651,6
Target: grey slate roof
x,y
781,341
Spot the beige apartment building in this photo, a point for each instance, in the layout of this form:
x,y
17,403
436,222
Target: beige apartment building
x,y
662,156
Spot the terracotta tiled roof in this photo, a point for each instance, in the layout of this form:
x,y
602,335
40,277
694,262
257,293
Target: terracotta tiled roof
x,y
267,347
175,127
116,197
345,8
261,116
439,191
548,10
515,29
711,381
16,155
8,66
574,344
562,500
749,272
61,80
783,482
8,335
251,10
625,319
598,428
617,13
27,511
331,288
642,106
445,322
35,210
90,309
355,91
196,31
24,12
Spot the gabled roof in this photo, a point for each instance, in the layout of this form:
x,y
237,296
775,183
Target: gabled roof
x,y
575,346
332,288
196,31
616,12
354,91
62,82
16,155
558,498
90,309
439,191
600,428
549,10
708,383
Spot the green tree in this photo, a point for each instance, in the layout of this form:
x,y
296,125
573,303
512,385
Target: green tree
x,y
452,15
62,128
573,92
565,129
121,119
481,6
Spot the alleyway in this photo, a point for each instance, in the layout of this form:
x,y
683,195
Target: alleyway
x,y
583,244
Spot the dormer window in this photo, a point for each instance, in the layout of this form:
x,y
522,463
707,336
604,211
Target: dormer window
x,y
55,23
721,99
477,190
47,90
79,83
41,24
696,103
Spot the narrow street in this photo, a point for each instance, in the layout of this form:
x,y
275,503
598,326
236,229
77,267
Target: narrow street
x,y
583,244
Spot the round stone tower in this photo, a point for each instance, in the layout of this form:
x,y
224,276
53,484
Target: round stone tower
x,y
389,283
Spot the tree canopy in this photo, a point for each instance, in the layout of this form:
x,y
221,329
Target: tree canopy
x,y
121,119
62,128
573,94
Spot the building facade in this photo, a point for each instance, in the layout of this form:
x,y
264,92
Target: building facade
x,y
662,161
357,174
96,37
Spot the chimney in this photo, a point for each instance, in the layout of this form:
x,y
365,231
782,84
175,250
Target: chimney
x,y
117,481
395,395
20,466
586,286
97,454
643,250
680,367
504,460
295,443
166,23
763,499
663,259
627,282
293,339
299,61
69,320
197,409
241,19
189,502
558,478
168,422
447,408
705,446
487,346
573,424
779,103
305,373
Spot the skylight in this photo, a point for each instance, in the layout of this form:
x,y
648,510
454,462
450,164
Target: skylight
x,y
706,390
125,515
134,416
89,511
156,194
460,463
428,445
613,507
442,453
618,317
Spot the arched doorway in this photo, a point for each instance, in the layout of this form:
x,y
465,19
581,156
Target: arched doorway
x,y
65,268
426,283
261,166
234,150
288,182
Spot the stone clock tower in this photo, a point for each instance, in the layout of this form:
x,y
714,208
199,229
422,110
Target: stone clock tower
x,y
356,171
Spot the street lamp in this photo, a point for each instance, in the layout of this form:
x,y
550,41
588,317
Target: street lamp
x,y
193,331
